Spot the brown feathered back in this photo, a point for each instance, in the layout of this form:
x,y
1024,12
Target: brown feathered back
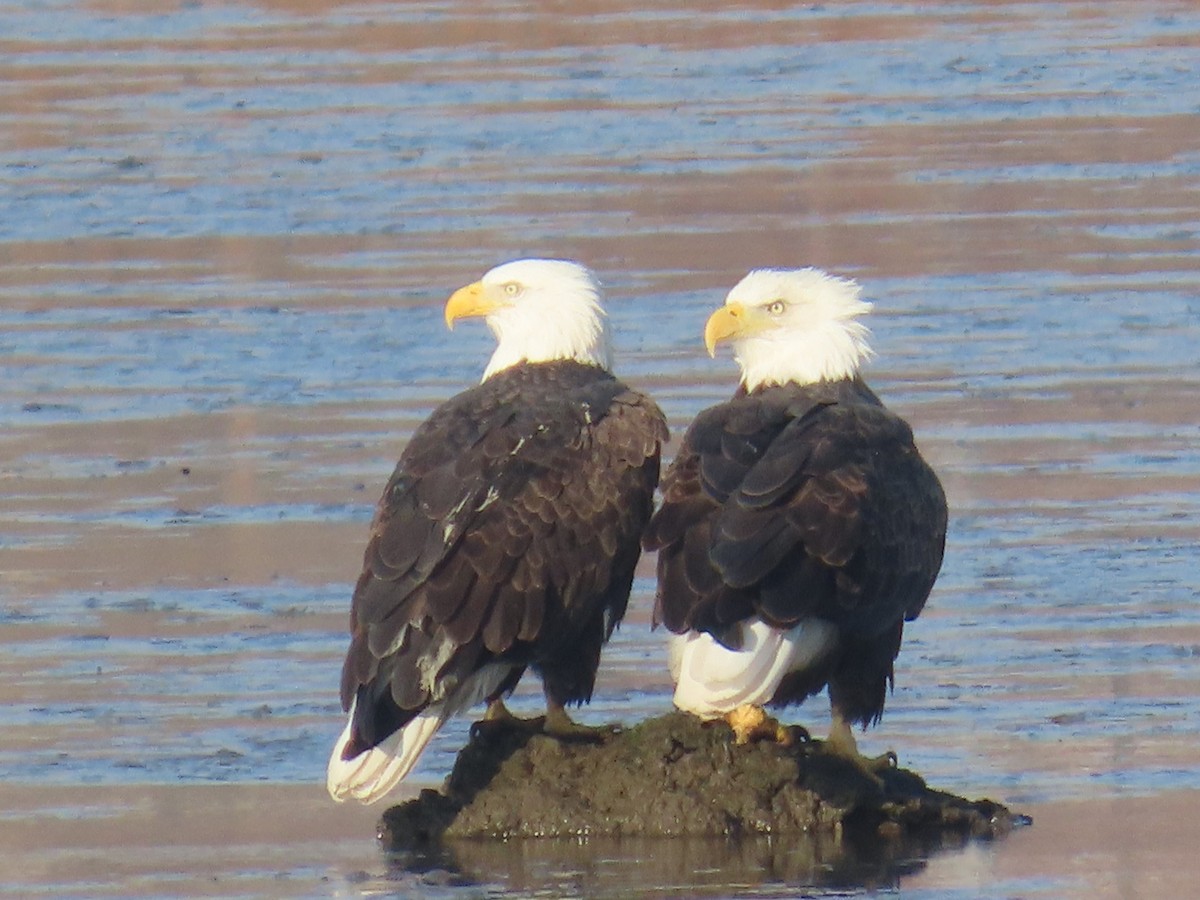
x,y
508,532
801,501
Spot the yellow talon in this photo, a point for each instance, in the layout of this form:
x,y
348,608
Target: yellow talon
x,y
751,723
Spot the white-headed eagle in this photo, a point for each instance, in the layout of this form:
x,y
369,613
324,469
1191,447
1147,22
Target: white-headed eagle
x,y
507,536
800,527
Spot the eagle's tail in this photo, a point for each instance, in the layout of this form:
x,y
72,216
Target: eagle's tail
x,y
371,774
712,680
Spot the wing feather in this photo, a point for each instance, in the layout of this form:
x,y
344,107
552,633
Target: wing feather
x,y
792,502
507,533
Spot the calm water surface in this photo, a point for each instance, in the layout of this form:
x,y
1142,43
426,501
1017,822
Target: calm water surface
x,y
228,231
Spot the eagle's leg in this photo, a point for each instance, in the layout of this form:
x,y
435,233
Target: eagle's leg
x,y
750,723
560,725
841,742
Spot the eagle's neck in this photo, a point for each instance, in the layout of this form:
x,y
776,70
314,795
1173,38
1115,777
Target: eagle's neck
x,y
835,352
556,335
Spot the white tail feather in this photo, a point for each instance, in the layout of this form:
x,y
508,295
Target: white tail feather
x,y
712,680
372,774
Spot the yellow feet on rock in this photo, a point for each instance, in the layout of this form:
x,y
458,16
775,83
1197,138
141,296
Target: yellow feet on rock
x,y
555,723
500,714
751,723
560,725
498,718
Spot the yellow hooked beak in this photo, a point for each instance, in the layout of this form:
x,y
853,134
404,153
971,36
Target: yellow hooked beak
x,y
730,321
471,300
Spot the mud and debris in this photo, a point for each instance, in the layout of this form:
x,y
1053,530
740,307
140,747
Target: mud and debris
x,y
674,776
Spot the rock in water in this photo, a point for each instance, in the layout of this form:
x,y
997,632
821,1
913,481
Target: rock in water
x,y
674,776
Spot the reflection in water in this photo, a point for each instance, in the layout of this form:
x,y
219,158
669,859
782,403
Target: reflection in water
x,y
681,867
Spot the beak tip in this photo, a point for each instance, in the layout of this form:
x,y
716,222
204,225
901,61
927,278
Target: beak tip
x,y
724,324
465,302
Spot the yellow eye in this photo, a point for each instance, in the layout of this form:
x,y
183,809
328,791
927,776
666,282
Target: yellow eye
x,y
776,308
512,289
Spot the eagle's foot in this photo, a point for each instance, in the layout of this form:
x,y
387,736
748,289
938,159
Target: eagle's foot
x,y
841,743
498,718
751,723
872,766
560,725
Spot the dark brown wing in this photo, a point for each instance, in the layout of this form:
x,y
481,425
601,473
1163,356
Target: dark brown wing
x,y
795,502
508,532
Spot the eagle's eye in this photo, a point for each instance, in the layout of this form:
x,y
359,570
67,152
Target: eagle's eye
x,y
512,289
776,307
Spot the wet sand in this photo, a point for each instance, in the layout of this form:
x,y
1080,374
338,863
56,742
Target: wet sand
x,y
288,840
152,840
1117,847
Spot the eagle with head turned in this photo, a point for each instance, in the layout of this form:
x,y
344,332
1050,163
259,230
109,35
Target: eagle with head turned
x,y
507,536
800,528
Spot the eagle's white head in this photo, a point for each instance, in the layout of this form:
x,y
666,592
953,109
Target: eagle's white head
x,y
540,310
792,326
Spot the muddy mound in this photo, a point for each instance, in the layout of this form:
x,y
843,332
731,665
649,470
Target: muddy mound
x,y
673,776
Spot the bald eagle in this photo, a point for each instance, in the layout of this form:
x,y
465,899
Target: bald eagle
x,y
507,536
800,528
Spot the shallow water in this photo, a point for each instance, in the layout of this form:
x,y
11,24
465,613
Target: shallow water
x,y
228,232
